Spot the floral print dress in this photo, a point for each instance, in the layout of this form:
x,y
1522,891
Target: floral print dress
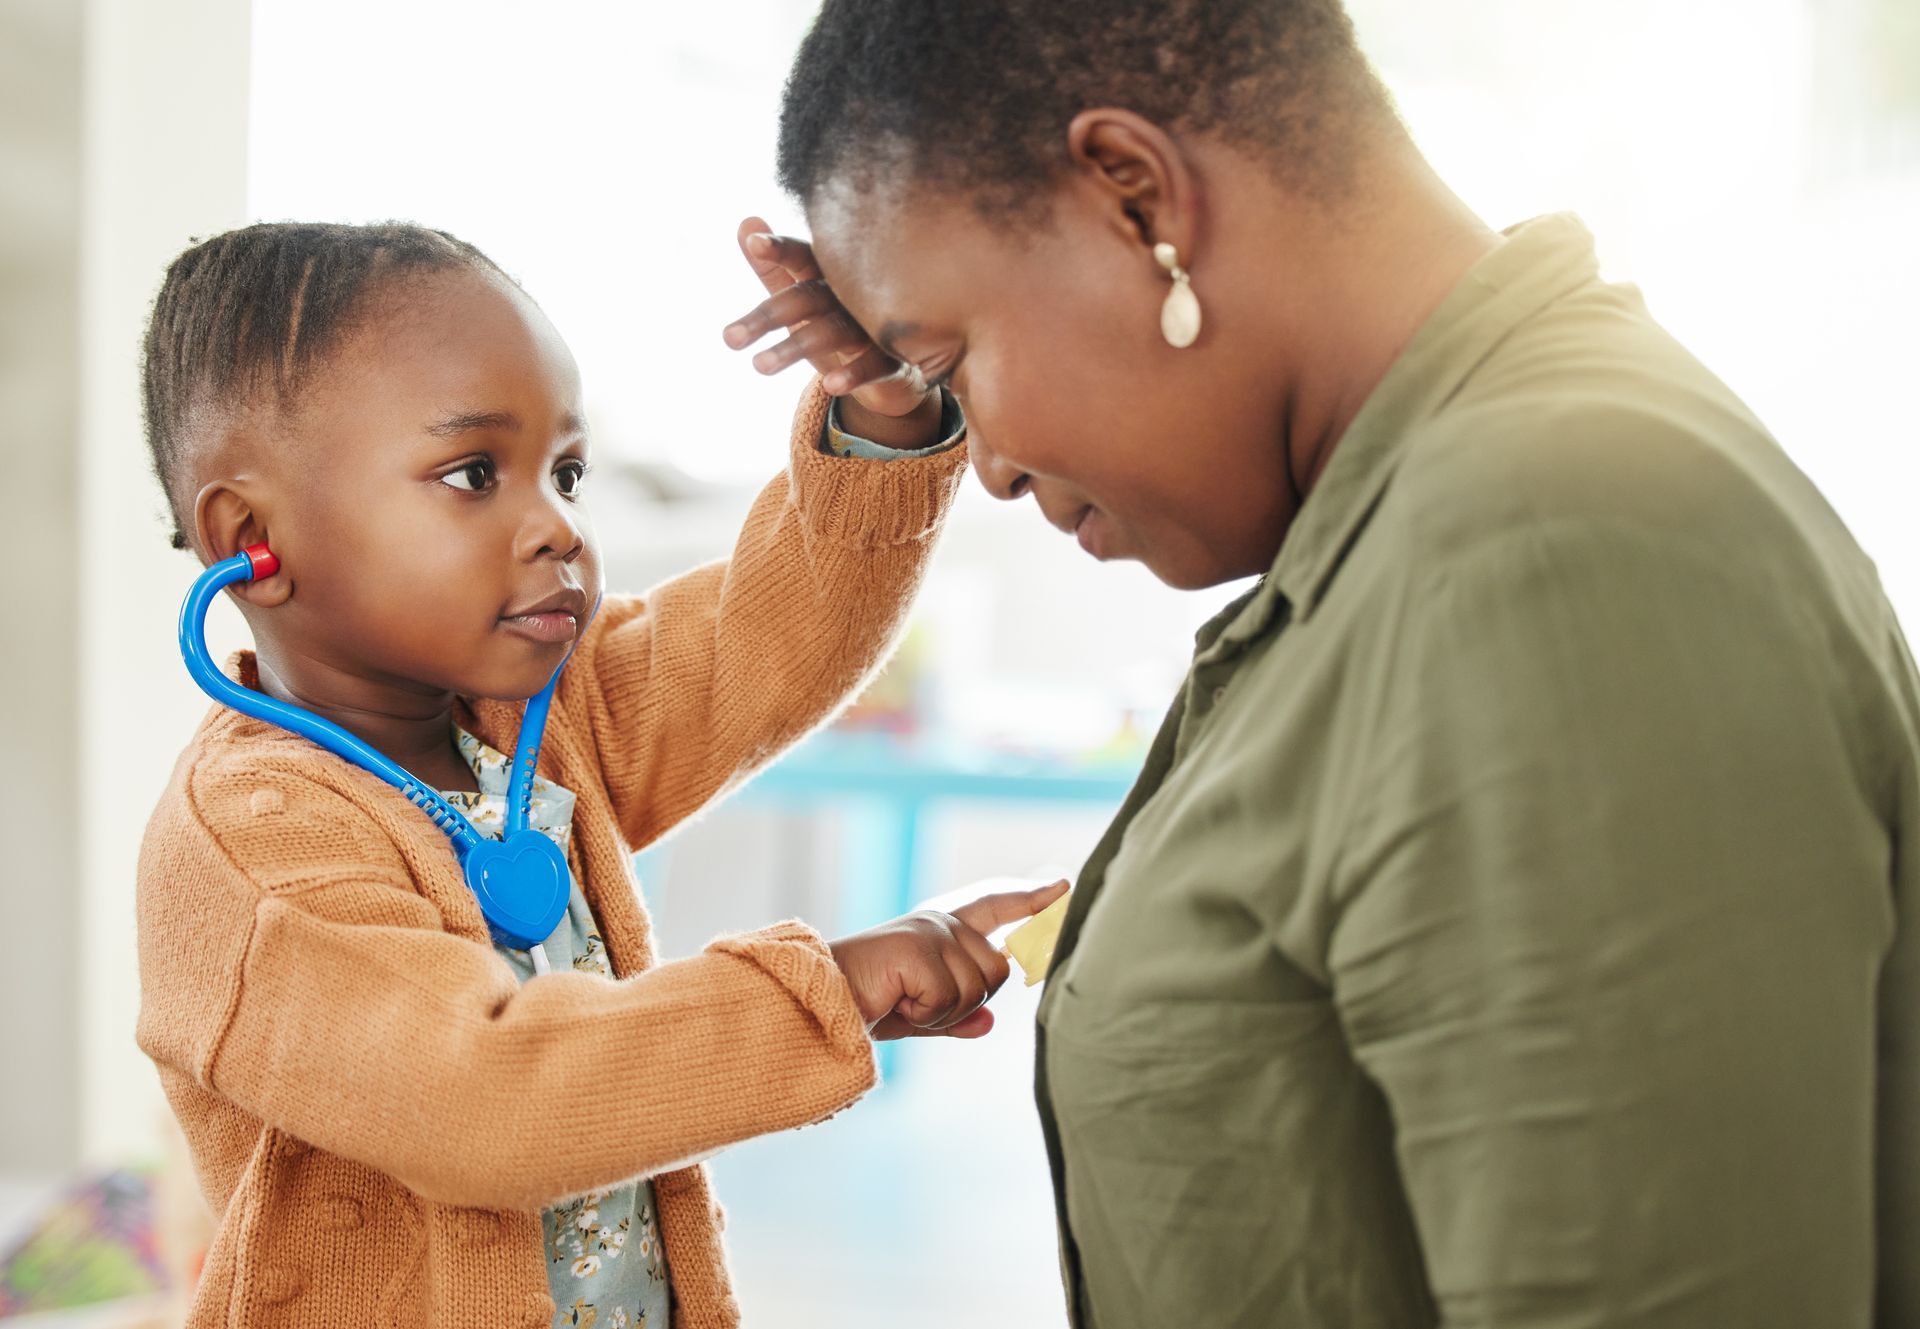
x,y
606,1266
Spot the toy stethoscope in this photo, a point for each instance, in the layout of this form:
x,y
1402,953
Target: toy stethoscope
x,y
521,880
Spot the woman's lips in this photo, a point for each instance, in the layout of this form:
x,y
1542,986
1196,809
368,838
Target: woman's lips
x,y
1087,533
551,626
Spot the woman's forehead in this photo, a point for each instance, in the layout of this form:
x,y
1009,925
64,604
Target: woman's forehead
x,y
899,258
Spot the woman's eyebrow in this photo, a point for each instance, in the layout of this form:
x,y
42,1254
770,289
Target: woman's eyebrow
x,y
893,329
464,422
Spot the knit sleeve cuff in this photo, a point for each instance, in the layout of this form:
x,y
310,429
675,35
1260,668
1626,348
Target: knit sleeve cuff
x,y
841,442
797,958
867,503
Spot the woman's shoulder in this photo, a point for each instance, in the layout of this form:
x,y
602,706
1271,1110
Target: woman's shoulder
x,y
1689,478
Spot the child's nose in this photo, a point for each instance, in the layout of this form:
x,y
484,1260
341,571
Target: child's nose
x,y
552,529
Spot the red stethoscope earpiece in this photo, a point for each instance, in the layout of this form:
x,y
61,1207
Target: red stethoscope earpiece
x,y
263,561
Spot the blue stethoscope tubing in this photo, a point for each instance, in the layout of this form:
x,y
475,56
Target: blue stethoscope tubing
x,y
521,881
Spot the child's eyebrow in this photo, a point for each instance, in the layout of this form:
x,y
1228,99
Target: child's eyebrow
x,y
465,422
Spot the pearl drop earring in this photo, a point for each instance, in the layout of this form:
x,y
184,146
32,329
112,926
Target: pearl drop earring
x,y
1180,315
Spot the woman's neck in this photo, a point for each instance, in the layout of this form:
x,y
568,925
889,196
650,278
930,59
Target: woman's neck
x,y
1382,269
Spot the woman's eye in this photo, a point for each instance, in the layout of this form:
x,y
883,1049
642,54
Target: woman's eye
x,y
569,476
474,477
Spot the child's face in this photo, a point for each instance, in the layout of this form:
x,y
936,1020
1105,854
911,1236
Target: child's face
x,y
429,511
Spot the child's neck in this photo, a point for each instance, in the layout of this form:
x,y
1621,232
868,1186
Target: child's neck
x,y
413,727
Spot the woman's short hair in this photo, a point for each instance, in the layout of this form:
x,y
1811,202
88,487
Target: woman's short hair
x,y
977,95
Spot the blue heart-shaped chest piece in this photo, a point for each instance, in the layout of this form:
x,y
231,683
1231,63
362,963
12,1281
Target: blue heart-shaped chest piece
x,y
522,884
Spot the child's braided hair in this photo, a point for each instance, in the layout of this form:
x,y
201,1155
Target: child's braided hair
x,y
253,311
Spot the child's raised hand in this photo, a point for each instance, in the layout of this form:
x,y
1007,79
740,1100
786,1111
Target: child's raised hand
x,y
931,973
819,330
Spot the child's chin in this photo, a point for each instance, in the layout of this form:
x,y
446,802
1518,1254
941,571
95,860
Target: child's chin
x,y
515,684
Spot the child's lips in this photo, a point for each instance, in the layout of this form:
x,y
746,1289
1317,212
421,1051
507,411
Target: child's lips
x,y
553,618
552,625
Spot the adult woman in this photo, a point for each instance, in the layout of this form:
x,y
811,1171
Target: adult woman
x,y
1507,927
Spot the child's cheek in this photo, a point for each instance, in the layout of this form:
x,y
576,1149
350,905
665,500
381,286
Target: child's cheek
x,y
590,566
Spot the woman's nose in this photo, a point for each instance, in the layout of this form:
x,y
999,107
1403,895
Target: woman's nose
x,y
1002,478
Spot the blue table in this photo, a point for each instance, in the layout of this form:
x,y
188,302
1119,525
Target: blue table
x,y
886,785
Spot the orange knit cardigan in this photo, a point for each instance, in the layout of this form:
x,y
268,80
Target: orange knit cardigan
x,y
358,1073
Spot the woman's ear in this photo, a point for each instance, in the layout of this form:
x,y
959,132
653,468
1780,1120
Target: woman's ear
x,y
1141,177
227,517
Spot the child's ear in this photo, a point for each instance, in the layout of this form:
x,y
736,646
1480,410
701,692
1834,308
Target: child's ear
x,y
228,515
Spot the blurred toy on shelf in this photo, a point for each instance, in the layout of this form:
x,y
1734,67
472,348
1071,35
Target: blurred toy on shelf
x,y
118,1249
97,1242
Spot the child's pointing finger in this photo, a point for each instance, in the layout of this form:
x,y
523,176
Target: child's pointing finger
x,y
992,911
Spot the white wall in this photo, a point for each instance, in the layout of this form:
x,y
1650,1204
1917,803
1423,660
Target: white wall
x,y
165,152
1733,160
40,56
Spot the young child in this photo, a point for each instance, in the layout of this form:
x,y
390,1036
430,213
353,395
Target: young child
x,y
396,1121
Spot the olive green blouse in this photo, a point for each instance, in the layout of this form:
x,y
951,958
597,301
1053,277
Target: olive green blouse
x,y
1510,926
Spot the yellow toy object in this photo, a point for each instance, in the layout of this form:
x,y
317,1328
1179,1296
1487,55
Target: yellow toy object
x,y
1031,944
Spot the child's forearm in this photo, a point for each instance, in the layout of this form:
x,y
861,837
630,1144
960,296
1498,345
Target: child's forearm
x,y
918,429
409,1050
295,964
715,672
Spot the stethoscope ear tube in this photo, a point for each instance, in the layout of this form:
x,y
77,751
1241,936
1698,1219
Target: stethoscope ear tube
x,y
522,883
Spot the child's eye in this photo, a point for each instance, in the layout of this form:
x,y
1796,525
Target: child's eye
x,y
569,476
474,477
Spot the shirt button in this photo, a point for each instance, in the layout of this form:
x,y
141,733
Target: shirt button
x,y
342,1213
276,1284
482,1227
1219,694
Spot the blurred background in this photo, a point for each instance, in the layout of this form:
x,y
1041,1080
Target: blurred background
x,y
1753,164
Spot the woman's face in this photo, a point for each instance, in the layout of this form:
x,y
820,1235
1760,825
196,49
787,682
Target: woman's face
x,y
1049,333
